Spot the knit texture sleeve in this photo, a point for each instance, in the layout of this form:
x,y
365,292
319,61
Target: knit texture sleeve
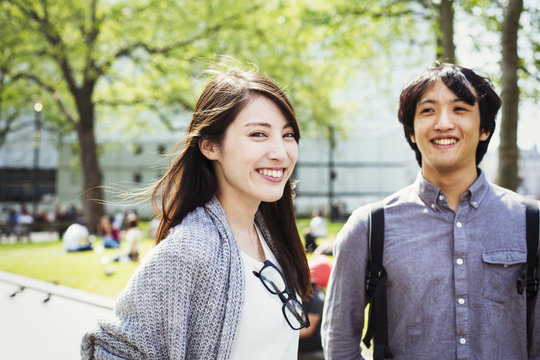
x,y
140,329
177,303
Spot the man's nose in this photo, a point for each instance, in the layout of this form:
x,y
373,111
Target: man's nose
x,y
444,121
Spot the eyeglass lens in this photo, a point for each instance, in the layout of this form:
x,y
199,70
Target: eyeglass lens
x,y
292,309
273,280
294,312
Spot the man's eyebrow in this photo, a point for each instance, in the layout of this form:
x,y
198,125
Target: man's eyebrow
x,y
431,101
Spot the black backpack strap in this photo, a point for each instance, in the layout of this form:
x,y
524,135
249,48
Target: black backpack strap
x,y
376,287
531,216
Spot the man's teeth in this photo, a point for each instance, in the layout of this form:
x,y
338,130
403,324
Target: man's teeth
x,y
271,173
444,141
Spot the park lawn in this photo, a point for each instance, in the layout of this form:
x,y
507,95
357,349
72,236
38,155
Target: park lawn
x,y
81,270
86,270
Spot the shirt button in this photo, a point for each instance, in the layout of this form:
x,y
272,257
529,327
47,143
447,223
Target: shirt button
x,y
462,341
474,203
441,197
461,301
459,224
433,206
459,261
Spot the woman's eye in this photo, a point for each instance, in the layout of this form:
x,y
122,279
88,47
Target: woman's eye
x,y
289,135
257,134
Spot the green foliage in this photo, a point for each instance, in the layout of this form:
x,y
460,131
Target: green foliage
x,y
144,56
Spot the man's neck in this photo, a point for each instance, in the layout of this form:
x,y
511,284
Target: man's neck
x,y
453,184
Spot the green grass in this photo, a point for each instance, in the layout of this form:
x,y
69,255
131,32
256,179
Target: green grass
x,y
81,270
85,270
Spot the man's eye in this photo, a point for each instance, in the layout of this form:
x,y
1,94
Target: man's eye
x,y
289,135
426,111
257,134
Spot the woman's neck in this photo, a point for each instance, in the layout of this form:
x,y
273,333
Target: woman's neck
x,y
241,217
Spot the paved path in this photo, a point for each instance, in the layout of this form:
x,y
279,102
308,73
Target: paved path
x,y
33,329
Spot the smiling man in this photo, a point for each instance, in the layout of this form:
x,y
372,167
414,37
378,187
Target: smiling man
x,y
454,244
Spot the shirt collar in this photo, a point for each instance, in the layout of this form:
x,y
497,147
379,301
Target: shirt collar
x,y
431,194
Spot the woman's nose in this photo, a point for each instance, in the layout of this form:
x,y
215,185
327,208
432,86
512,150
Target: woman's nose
x,y
277,150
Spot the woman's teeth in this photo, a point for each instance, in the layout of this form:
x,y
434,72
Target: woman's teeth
x,y
271,173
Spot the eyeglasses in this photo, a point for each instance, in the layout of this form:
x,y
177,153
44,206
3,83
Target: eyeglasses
x,y
273,281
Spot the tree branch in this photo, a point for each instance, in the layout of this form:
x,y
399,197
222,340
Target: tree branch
x,y
50,89
128,50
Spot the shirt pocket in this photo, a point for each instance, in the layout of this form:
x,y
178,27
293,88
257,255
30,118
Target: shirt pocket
x,y
502,268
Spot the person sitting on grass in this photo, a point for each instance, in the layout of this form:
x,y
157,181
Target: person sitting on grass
x,y
76,238
109,233
134,236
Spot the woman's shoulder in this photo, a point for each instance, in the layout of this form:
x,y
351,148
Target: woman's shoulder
x,y
195,236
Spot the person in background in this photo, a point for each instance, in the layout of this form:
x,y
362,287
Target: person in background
x,y
316,229
226,276
134,236
76,238
118,219
310,347
109,232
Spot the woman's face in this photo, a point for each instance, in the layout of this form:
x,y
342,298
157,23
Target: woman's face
x,y
256,156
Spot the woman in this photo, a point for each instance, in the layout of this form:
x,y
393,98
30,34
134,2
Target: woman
x,y
109,232
211,287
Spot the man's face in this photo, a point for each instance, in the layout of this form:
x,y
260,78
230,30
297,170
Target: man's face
x,y
447,132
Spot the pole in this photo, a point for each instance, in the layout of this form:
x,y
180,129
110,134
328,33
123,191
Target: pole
x,y
331,172
37,142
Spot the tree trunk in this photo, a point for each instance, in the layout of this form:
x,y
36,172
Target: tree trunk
x,y
508,149
92,195
446,50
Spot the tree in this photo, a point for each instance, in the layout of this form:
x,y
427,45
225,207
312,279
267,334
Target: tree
x,y
446,49
89,55
508,149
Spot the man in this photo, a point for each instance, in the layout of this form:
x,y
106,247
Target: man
x,y
454,244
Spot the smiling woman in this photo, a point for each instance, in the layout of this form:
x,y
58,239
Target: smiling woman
x,y
226,215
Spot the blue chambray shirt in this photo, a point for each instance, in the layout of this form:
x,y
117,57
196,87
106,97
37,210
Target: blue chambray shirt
x,y
451,286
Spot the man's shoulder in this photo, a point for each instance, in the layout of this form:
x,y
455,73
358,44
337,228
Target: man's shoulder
x,y
402,196
510,199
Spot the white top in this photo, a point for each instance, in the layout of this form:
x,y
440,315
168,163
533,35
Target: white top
x,y
263,332
133,239
75,236
318,226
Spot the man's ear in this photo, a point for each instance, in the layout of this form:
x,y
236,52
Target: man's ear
x,y
413,139
484,135
209,149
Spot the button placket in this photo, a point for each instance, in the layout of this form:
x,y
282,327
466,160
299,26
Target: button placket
x,y
461,283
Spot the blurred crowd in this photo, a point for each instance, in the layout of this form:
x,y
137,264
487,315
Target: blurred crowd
x,y
20,221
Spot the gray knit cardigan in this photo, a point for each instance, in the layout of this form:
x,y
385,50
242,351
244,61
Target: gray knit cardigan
x,y
184,300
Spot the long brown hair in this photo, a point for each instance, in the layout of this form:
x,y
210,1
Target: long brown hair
x,y
190,181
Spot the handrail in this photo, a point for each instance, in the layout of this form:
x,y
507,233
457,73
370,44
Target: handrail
x,y
57,290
